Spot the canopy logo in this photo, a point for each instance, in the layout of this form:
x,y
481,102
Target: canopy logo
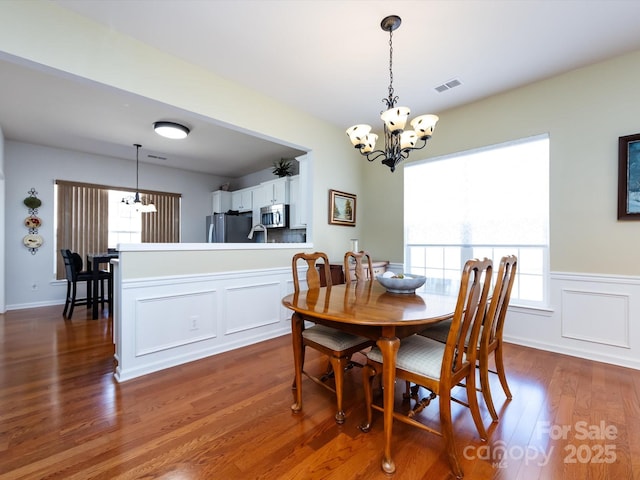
x,y
580,443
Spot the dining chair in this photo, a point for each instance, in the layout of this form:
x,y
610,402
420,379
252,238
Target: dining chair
x,y
337,345
75,274
359,273
440,367
490,338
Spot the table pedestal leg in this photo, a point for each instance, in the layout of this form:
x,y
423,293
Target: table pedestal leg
x,y
296,336
389,349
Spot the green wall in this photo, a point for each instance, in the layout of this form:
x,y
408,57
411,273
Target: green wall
x,y
584,112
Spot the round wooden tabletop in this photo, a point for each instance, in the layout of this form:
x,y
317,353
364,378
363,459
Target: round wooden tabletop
x,y
368,303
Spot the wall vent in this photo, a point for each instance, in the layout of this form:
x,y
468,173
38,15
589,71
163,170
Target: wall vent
x,y
448,85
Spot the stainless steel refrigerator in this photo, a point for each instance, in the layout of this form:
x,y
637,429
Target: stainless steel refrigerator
x,y
229,228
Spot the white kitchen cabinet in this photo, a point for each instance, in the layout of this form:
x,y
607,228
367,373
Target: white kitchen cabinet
x,y
258,202
281,191
242,200
276,191
297,205
221,201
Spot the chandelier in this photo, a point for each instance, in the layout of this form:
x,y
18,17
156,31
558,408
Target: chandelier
x,y
134,201
398,142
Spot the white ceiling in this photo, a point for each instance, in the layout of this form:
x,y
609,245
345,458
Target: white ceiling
x,y
326,57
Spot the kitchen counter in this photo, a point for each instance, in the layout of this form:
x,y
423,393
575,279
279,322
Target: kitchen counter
x,y
177,247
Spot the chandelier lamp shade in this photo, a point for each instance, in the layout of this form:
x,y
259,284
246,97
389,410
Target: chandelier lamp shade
x,y
172,130
135,201
398,141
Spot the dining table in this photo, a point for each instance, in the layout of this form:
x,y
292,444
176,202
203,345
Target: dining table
x,y
365,308
94,260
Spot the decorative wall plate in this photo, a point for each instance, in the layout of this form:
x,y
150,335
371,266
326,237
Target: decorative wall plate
x,y
32,202
32,241
32,222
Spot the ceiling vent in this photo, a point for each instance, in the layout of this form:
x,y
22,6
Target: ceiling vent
x,y
448,85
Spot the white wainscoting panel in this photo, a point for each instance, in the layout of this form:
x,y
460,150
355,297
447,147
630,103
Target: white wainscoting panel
x,y
164,322
591,316
175,320
596,317
251,306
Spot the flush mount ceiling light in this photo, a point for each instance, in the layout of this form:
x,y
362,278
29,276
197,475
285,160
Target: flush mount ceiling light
x,y
398,142
171,130
134,201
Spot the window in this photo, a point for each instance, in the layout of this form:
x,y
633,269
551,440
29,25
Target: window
x,y
125,223
488,202
92,218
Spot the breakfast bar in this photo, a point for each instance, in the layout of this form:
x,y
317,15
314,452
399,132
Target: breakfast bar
x,y
176,303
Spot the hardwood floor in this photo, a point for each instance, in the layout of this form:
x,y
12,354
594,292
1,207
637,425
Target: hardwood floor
x,y
63,416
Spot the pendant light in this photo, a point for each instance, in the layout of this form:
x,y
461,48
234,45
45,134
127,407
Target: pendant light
x,y
135,201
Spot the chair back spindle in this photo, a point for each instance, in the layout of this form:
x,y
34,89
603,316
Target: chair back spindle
x,y
359,272
497,311
314,261
472,297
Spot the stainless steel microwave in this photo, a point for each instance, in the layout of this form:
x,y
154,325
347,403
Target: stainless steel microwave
x,y
275,216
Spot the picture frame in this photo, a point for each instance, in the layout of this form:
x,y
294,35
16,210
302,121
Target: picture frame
x,y
629,177
342,208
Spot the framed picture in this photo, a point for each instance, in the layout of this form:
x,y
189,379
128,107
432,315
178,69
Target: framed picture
x,y
629,177
342,208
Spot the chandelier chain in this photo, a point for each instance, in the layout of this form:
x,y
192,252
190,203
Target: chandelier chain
x,y
137,150
391,68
